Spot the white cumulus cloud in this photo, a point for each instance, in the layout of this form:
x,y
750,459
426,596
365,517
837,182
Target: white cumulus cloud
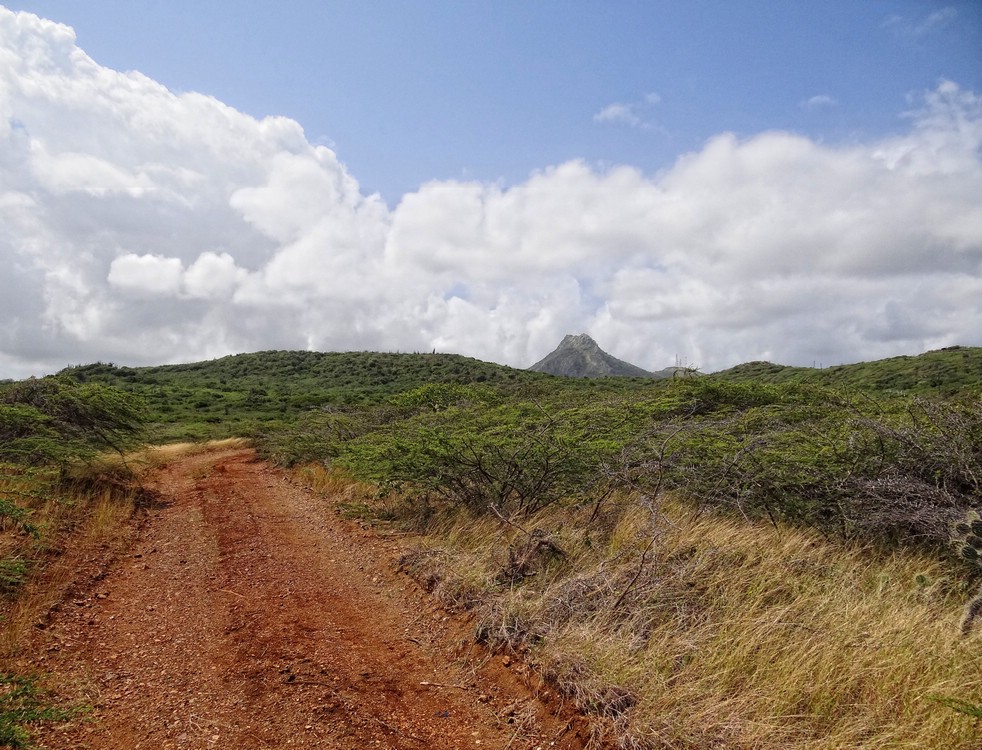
x,y
213,276
152,274
139,225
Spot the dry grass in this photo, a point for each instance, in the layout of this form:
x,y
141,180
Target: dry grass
x,y
73,533
352,498
683,630
333,482
157,456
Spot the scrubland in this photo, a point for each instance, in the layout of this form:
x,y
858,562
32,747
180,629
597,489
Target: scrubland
x,y
764,558
704,564
681,628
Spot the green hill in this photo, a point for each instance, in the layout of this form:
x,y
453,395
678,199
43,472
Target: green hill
x,y
247,393
942,372
239,394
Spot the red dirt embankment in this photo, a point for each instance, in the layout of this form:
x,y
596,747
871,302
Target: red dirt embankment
x,y
247,615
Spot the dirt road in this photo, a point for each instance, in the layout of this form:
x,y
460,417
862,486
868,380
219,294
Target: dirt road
x,y
247,615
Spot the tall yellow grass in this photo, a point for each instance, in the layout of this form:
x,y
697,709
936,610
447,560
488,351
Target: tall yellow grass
x,y
688,630
156,456
343,489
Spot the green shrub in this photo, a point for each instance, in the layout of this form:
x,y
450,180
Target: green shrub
x,y
510,459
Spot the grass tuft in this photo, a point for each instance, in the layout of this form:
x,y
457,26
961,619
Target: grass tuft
x,y
24,704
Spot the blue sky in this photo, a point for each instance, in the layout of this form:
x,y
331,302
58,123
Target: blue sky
x,y
710,182
407,92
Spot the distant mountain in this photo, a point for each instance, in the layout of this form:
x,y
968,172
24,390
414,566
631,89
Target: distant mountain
x,y
581,357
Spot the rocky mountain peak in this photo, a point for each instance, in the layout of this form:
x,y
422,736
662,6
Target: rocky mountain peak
x,y
579,356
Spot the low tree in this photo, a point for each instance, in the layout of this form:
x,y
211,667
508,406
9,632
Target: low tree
x,y
58,420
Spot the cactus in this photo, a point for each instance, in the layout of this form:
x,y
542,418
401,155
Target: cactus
x,y
967,537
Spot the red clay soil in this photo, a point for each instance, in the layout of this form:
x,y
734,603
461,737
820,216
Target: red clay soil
x,y
246,614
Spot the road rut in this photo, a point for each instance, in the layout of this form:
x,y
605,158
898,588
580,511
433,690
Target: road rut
x,y
246,614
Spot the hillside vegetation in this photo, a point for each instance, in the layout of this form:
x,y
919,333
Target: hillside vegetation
x,y
240,394
245,393
767,557
943,372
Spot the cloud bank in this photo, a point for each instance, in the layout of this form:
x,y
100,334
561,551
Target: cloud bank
x,y
142,226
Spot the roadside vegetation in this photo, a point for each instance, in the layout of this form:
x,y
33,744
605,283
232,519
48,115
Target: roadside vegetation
x,y
60,491
72,458
681,629
702,562
767,557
